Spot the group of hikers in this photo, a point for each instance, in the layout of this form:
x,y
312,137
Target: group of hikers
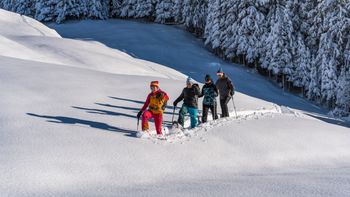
x,y
157,100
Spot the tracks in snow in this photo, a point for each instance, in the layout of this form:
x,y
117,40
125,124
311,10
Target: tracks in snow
x,y
175,135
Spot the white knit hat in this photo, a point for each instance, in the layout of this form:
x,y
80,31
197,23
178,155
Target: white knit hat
x,y
190,81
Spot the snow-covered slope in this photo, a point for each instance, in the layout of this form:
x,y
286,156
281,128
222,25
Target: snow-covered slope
x,y
67,128
36,42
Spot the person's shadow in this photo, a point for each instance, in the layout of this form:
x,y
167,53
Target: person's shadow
x,y
104,126
92,124
103,112
135,110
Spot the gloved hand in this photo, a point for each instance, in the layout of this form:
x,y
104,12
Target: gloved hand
x,y
232,92
164,106
174,103
139,114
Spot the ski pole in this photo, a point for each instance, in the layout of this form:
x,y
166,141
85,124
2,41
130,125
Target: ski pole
x,y
138,123
234,106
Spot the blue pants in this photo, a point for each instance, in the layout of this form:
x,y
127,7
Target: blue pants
x,y
193,114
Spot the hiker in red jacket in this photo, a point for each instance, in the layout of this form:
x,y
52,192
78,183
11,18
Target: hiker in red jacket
x,y
156,103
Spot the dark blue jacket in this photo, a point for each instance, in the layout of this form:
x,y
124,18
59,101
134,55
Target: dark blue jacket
x,y
210,92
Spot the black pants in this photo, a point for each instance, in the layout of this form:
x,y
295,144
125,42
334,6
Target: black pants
x,y
224,108
206,110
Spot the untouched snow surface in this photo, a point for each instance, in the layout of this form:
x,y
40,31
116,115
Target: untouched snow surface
x,y
68,128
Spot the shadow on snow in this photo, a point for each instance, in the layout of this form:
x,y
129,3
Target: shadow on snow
x,y
100,125
92,124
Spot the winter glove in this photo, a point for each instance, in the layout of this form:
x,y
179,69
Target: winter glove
x,y
164,106
160,96
232,92
139,114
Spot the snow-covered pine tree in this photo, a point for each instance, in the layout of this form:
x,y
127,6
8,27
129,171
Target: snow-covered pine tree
x,y
128,8
24,7
224,6
343,94
115,8
331,47
311,25
8,4
328,69
277,46
187,12
70,9
300,76
314,91
302,12
60,11
98,9
200,15
216,25
45,10
195,15
178,8
311,28
342,105
230,41
145,8
250,28
164,11
212,31
299,69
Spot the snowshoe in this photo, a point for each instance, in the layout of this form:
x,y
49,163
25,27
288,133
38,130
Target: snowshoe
x,y
161,137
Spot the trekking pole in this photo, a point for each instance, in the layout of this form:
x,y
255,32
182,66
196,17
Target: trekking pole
x,y
138,123
234,106
174,123
172,120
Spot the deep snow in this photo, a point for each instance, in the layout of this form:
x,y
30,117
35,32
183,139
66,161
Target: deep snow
x,y
68,125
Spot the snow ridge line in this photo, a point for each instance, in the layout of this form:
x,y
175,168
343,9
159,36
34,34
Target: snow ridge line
x,y
26,22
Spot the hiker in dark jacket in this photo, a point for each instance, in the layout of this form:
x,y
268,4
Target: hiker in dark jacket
x,y
226,91
210,92
190,96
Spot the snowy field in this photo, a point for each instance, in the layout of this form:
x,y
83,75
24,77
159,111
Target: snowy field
x,y
68,123
177,49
